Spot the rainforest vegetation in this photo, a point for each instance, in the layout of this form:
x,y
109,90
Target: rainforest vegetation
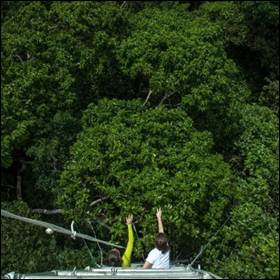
x,y
110,108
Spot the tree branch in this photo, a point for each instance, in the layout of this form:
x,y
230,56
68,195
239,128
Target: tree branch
x,y
61,211
48,212
98,200
19,57
123,3
148,96
164,98
8,186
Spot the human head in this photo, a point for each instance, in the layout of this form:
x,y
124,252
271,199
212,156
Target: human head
x,y
162,242
114,258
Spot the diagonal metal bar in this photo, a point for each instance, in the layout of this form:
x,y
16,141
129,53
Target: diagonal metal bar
x,y
55,228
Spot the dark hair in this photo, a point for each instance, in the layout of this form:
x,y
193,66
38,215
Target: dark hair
x,y
162,242
114,258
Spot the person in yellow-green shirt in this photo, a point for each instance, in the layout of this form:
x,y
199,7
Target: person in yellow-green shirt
x,y
115,258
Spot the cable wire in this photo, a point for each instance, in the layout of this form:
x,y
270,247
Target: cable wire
x,y
55,228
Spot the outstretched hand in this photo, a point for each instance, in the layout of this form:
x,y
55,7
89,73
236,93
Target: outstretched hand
x,y
129,219
159,212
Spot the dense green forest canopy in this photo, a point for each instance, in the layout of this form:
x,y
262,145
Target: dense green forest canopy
x,y
136,105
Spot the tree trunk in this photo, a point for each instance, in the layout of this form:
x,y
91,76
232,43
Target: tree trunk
x,y
19,181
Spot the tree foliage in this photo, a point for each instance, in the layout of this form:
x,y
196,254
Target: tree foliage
x,y
27,248
251,35
140,159
54,64
245,248
128,106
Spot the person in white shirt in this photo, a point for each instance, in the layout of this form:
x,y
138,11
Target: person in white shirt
x,y
159,256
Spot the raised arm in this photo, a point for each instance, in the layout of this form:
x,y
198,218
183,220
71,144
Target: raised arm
x,y
160,225
126,258
152,257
